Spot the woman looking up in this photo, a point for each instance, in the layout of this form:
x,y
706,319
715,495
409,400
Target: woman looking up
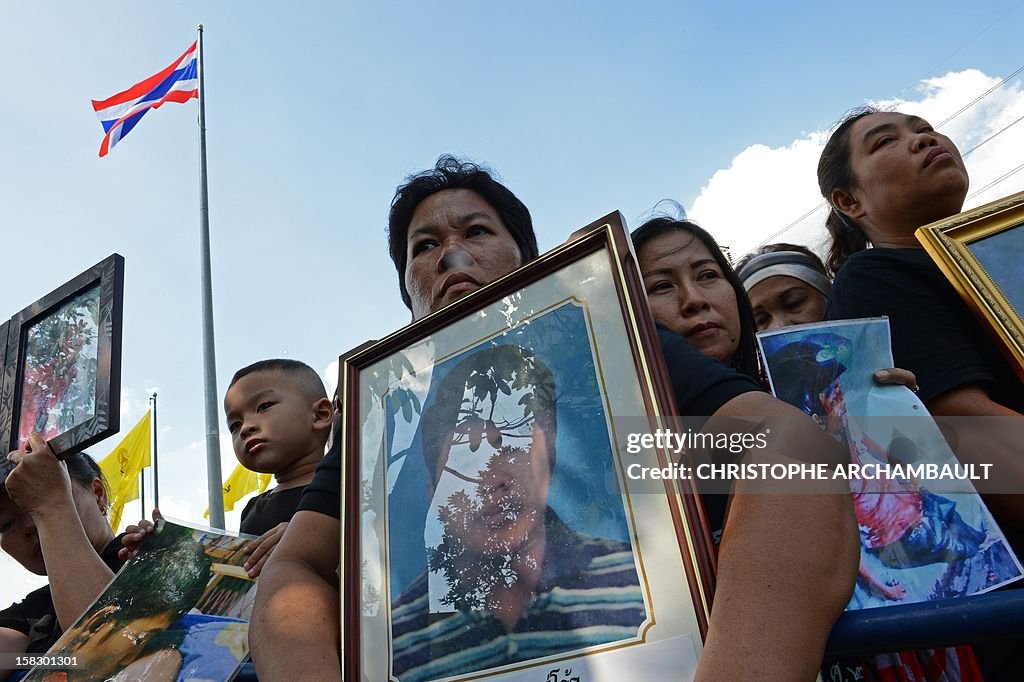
x,y
885,174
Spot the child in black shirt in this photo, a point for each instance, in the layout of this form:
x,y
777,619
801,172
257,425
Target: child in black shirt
x,y
279,418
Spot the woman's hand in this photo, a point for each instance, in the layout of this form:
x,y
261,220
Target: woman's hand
x,y
259,551
38,478
135,534
895,375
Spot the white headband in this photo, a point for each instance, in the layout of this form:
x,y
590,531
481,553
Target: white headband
x,y
784,264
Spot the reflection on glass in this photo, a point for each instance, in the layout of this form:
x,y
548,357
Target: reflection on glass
x,y
59,376
525,554
1002,256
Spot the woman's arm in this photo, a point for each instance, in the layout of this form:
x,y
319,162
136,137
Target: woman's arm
x,y
981,431
40,485
11,642
295,629
788,560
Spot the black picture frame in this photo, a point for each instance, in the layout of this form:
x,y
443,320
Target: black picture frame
x,y
102,288
5,466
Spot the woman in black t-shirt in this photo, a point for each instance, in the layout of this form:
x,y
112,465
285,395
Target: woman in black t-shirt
x,y
53,522
695,295
885,174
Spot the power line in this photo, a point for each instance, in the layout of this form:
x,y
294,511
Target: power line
x,y
1002,81
950,118
959,49
991,137
1004,176
964,108
791,225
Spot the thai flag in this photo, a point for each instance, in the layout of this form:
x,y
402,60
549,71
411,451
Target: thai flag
x,y
179,82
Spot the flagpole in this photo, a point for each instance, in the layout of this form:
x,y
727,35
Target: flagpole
x,y
213,474
156,476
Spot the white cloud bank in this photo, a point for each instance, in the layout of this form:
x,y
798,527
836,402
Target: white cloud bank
x,y
765,188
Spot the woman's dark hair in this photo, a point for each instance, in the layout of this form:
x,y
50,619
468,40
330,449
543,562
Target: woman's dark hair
x,y
778,248
746,359
835,172
83,469
452,173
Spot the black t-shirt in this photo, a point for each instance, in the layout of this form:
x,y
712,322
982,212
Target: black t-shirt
x,y
701,386
273,507
934,333
36,616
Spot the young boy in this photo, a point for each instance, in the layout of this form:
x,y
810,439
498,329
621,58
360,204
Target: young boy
x,y
279,418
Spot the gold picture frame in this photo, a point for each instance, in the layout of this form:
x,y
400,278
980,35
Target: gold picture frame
x,y
981,253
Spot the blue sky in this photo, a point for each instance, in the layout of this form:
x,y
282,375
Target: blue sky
x,y
316,112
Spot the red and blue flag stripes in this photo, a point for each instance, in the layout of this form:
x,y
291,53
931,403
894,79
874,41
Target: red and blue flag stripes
x,y
179,82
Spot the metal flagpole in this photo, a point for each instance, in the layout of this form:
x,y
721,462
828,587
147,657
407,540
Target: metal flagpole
x,y
156,476
213,474
142,492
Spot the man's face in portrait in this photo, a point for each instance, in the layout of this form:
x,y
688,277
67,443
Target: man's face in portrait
x,y
508,489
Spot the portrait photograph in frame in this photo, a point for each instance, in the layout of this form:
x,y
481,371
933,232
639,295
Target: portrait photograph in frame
x,y
981,253
63,363
489,528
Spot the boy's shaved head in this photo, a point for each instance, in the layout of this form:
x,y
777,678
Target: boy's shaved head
x,y
304,375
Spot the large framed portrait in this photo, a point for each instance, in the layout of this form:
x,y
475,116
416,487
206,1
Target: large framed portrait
x,y
62,375
490,529
981,252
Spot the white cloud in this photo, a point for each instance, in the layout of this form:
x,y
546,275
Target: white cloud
x,y
766,188
133,405
16,581
330,377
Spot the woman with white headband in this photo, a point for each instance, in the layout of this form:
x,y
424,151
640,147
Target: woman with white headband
x,y
786,284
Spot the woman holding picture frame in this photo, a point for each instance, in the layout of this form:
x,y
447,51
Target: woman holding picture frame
x,y
788,285
53,522
450,235
885,174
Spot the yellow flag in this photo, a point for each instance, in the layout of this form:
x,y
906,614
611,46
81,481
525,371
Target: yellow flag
x,y
240,483
122,467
